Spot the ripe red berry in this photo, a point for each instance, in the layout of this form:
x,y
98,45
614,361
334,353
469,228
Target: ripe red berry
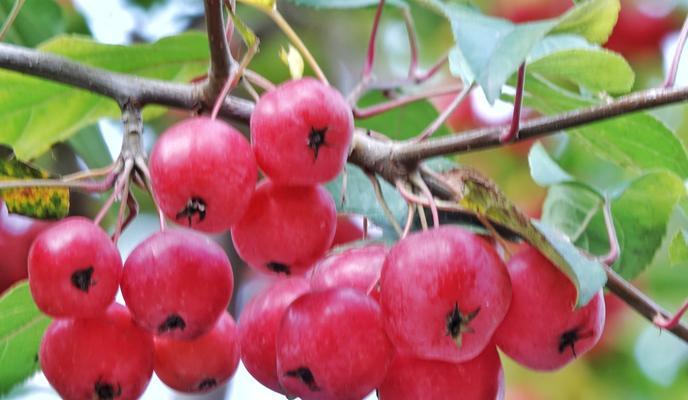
x,y
199,365
542,330
74,269
443,293
411,378
332,345
177,284
301,132
203,174
258,326
17,232
357,268
105,357
285,229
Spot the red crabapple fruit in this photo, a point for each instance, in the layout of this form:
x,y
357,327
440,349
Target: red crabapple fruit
x,y
199,365
301,132
17,232
74,269
203,173
258,326
443,293
332,345
285,229
357,267
106,357
411,378
177,284
542,330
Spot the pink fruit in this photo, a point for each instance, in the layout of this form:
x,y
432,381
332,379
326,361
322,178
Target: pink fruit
x,y
203,174
177,284
285,229
258,327
443,293
301,132
74,269
542,330
332,345
357,268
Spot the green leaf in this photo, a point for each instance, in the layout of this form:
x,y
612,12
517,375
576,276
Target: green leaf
x,y
674,249
402,122
345,3
246,33
38,20
483,198
544,170
89,144
660,355
37,113
21,328
570,208
42,203
596,70
360,199
636,142
489,50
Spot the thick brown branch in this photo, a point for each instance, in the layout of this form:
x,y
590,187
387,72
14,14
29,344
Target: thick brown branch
x,y
489,137
220,59
120,87
644,305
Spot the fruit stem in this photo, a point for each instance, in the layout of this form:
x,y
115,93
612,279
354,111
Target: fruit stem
x,y
680,44
417,180
296,41
439,121
669,323
377,188
233,78
367,112
412,41
614,250
258,80
14,12
370,58
409,219
512,132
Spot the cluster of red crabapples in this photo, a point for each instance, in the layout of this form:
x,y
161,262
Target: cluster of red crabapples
x,y
422,319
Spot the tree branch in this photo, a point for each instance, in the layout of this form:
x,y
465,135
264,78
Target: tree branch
x,y
221,61
489,137
120,87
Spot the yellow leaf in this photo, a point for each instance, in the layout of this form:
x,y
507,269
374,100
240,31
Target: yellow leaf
x,y
292,58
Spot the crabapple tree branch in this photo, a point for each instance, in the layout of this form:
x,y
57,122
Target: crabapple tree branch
x,y
221,61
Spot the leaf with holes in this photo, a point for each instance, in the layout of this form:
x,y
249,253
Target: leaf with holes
x,y
37,113
21,329
43,202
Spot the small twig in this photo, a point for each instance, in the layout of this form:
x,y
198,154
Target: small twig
x,y
89,173
367,112
410,196
123,204
644,305
14,12
409,219
421,77
377,188
680,44
370,57
233,78
512,132
614,250
221,61
296,41
133,207
258,80
117,191
442,118
669,323
85,186
412,40
417,180
421,217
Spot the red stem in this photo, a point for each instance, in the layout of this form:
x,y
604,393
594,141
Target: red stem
x,y
368,66
680,44
512,133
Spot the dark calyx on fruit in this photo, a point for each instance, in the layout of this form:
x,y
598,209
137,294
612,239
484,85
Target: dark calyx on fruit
x,y
278,267
106,391
306,377
316,139
569,338
81,279
194,206
207,383
458,323
172,322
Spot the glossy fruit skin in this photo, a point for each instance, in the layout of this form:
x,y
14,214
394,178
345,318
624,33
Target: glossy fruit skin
x,y
357,267
177,284
109,354
288,127
408,378
332,345
202,364
258,327
285,229
542,311
74,269
207,163
431,277
17,233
